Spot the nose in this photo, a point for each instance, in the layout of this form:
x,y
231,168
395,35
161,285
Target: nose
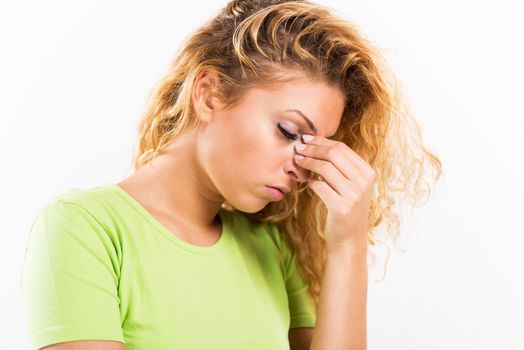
x,y
297,173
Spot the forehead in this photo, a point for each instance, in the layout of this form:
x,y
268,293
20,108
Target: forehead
x,y
319,102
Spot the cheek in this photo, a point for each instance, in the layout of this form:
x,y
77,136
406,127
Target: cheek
x,y
246,149
251,151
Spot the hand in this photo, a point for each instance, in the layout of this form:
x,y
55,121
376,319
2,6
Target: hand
x,y
346,189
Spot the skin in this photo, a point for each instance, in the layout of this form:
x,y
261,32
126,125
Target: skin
x,y
232,155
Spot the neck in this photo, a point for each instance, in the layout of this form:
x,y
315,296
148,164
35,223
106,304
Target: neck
x,y
175,185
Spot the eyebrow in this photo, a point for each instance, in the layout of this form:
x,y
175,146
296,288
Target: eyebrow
x,y
308,121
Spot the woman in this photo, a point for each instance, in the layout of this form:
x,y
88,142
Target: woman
x,y
268,156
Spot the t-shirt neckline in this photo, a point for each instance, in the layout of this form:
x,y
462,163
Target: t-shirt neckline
x,y
224,238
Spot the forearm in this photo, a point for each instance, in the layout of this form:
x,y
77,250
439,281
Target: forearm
x,y
341,315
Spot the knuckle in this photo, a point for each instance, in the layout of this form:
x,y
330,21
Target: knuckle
x,y
343,210
371,174
332,151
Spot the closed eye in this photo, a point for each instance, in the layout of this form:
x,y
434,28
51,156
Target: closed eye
x,y
287,135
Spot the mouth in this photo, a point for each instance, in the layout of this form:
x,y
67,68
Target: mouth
x,y
284,189
275,193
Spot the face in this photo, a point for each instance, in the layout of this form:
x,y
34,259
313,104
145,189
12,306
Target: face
x,y
250,146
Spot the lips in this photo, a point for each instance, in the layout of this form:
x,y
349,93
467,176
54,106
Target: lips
x,y
278,189
275,193
282,189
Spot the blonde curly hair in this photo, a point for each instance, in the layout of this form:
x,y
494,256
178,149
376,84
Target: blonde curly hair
x,y
250,43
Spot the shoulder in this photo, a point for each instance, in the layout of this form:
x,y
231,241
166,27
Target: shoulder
x,y
93,198
79,207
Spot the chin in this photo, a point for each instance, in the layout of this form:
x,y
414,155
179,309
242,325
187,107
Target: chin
x,y
249,208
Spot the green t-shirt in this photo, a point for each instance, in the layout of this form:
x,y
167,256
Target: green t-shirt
x,y
99,266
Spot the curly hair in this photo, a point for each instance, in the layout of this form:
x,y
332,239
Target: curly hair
x,y
252,43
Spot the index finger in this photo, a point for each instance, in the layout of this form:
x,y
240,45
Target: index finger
x,y
352,155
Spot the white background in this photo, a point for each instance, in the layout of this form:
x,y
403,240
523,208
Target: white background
x,y
75,78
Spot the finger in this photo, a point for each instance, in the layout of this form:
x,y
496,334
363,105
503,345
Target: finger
x,y
360,163
339,160
325,192
332,176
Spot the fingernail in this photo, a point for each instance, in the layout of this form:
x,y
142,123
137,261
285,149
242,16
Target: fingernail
x,y
300,146
307,137
298,157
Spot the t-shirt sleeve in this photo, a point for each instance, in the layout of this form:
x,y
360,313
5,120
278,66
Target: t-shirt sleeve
x,y
70,277
301,309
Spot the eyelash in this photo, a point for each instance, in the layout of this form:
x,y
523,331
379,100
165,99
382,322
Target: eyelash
x,y
287,134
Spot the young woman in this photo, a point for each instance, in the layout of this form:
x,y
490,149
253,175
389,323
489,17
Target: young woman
x,y
267,158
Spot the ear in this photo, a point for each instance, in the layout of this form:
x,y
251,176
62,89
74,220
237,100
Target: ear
x,y
203,96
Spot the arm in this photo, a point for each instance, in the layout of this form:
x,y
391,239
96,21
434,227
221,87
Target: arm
x,y
70,279
341,320
346,187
